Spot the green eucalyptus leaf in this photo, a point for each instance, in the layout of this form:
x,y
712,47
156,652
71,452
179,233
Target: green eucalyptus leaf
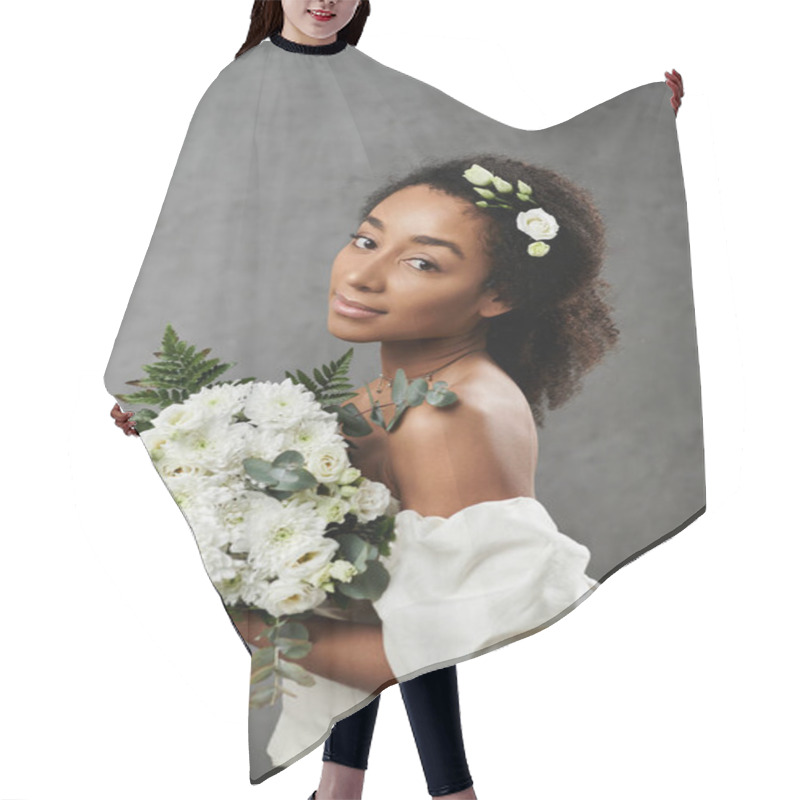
x,y
353,423
293,648
262,673
399,386
262,697
293,480
295,673
376,415
369,585
289,459
259,470
263,657
415,394
354,549
442,398
292,630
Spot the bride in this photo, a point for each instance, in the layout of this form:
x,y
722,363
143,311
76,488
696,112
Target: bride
x,y
481,272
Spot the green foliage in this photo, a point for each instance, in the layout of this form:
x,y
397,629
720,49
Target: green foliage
x,y
180,371
407,395
332,386
281,477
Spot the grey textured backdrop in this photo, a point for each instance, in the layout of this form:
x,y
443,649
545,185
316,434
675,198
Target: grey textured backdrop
x,y
279,155
281,152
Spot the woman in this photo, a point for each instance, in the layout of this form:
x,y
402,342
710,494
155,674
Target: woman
x,y
501,298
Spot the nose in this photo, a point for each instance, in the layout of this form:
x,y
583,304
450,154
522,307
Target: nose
x,y
365,271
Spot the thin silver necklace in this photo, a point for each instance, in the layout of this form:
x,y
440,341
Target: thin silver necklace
x,y
428,375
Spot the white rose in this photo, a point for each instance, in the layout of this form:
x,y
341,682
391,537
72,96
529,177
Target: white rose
x,y
370,501
307,559
327,463
283,597
537,223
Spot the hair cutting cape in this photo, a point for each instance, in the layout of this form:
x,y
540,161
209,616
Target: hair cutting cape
x,y
241,389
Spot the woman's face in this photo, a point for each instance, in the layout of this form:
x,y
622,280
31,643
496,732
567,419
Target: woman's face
x,y
299,14
417,259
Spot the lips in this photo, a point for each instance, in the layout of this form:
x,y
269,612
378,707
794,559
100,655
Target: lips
x,y
346,304
323,15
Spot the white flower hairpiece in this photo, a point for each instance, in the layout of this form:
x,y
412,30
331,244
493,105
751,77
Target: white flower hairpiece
x,y
536,222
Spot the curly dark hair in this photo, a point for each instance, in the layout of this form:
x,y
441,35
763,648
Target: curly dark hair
x,y
560,325
266,18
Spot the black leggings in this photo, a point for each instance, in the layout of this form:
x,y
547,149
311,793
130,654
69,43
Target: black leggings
x,y
431,701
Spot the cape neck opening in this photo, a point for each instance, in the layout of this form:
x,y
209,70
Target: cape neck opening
x,y
308,49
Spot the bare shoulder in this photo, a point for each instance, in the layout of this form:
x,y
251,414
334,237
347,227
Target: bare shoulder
x,y
482,447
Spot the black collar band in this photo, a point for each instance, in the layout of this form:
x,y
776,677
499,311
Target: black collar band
x,y
309,49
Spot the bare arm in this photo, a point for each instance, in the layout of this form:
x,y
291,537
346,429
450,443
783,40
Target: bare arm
x,y
348,652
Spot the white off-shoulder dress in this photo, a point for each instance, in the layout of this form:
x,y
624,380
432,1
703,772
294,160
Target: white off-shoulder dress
x,y
461,585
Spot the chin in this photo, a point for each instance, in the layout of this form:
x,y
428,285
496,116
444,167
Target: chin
x,y
347,332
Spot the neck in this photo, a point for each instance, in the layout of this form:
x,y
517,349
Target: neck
x,y
418,357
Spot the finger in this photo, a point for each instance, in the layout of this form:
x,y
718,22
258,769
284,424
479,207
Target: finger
x,y
676,79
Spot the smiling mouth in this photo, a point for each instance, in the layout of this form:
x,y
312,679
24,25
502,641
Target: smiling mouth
x,y
352,309
322,15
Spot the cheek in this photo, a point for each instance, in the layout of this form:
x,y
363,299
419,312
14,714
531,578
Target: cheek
x,y
439,308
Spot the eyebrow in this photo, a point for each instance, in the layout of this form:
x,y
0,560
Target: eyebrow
x,y
421,238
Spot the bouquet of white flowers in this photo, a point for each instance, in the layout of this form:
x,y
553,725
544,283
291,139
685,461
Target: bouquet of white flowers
x,y
283,521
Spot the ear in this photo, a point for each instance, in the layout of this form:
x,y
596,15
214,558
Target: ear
x,y
492,306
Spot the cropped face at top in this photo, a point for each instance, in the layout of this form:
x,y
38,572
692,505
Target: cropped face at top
x,y
319,19
418,263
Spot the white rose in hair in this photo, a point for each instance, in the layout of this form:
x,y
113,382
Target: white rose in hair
x,y
537,223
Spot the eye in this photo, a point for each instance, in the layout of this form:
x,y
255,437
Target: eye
x,y
355,236
433,267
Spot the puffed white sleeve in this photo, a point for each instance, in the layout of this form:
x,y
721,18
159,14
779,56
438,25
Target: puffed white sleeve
x,y
460,584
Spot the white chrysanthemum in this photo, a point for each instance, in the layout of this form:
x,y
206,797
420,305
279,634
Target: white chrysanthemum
x,y
537,223
241,512
195,490
370,501
267,442
217,521
220,401
307,559
276,533
312,433
230,589
281,404
328,462
220,566
216,446
283,597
